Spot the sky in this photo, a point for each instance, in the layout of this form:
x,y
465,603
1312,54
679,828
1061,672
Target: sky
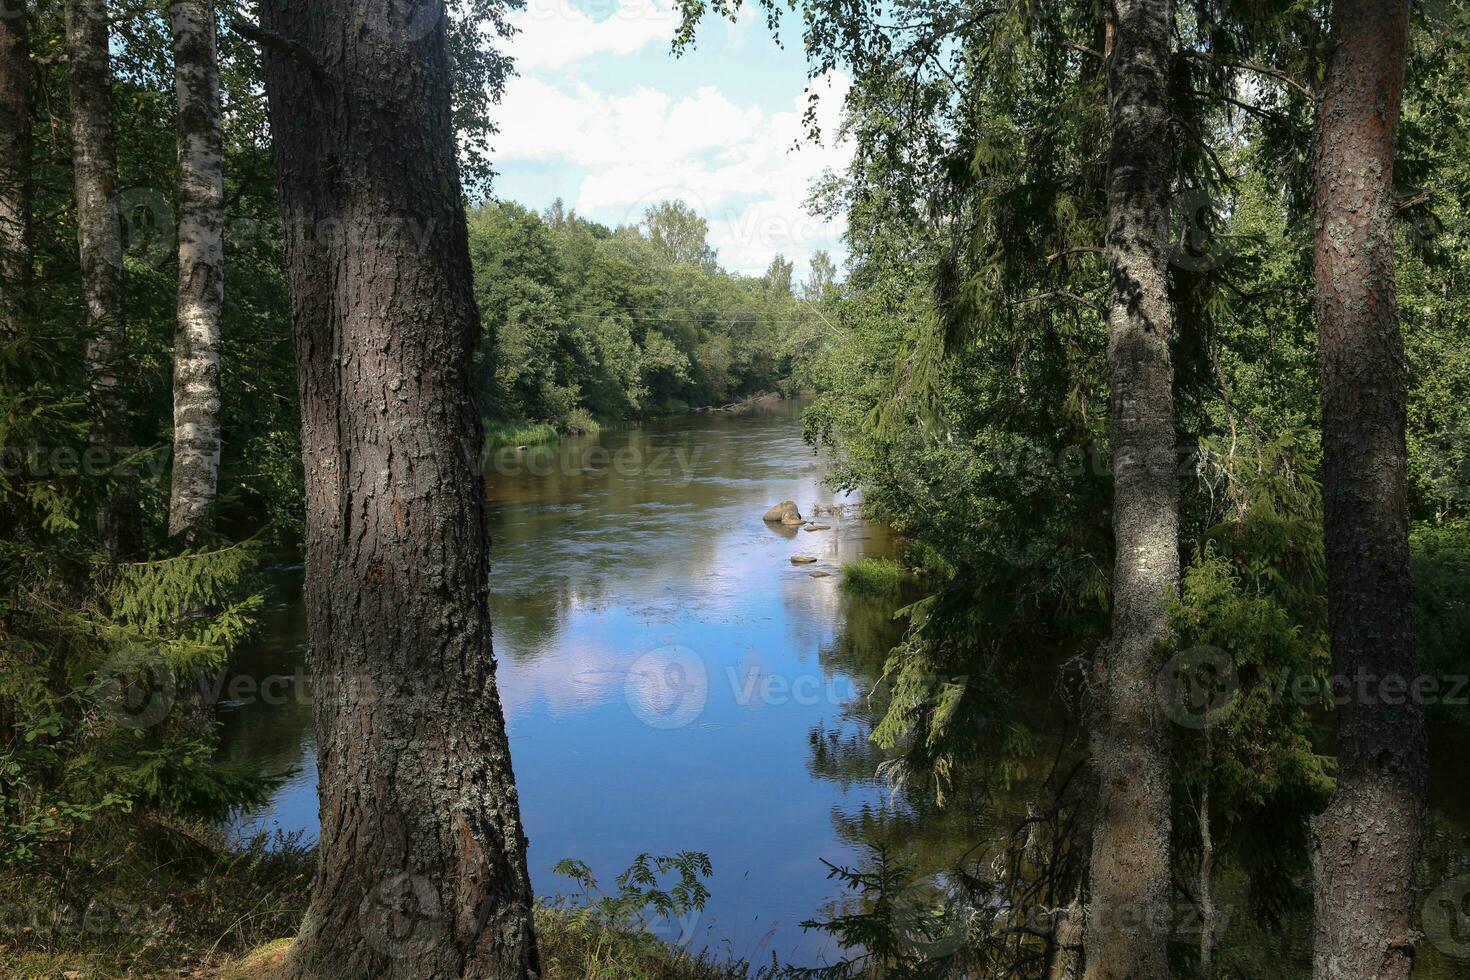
x,y
605,117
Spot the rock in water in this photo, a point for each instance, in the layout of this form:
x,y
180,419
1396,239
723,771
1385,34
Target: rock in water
x,y
819,527
783,513
820,574
802,559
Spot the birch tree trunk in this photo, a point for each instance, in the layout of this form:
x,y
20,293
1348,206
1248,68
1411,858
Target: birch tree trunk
x,y
422,867
100,248
1366,844
1127,927
15,165
201,269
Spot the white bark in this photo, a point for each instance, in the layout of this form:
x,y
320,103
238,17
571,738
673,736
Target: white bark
x,y
201,268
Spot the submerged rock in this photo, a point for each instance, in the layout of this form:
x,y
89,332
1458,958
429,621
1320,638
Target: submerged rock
x,y
802,559
783,513
818,527
820,574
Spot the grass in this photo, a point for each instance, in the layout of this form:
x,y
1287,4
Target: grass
x,y
221,913
574,951
177,903
569,951
577,423
499,434
873,576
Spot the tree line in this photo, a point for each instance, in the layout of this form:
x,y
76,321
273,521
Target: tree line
x,y
589,323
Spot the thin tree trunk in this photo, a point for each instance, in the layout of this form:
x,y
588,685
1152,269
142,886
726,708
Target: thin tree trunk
x,y
201,269
1366,844
1206,879
99,241
1127,926
1066,944
422,868
15,165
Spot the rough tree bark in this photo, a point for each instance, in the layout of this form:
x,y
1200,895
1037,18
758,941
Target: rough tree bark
x,y
1206,967
422,870
100,246
15,164
201,269
1367,843
1127,929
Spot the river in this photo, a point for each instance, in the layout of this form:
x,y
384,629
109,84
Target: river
x,y
672,681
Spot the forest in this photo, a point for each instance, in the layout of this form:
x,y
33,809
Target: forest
x,y
1112,622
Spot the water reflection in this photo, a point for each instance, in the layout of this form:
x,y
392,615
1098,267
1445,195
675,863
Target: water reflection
x,y
613,549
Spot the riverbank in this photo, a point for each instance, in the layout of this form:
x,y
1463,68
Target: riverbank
x,y
581,423
500,434
568,952
197,906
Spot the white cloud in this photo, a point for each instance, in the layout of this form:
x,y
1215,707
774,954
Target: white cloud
x,y
748,171
555,33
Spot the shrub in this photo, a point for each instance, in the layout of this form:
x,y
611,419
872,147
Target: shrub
x,y
579,422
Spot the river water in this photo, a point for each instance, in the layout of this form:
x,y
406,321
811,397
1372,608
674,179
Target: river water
x,y
671,680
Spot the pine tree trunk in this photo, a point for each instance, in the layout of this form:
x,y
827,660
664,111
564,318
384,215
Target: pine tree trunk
x,y
1127,926
1366,844
201,269
99,241
422,869
15,165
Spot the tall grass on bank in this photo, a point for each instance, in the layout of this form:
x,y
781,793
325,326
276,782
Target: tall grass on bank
x,y
577,423
499,434
573,949
178,901
873,576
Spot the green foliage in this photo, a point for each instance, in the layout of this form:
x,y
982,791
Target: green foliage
x,y
585,322
103,743
1252,599
182,899
679,236
899,928
962,381
98,668
641,898
1441,557
873,576
573,952
519,434
1434,264
579,422
641,931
